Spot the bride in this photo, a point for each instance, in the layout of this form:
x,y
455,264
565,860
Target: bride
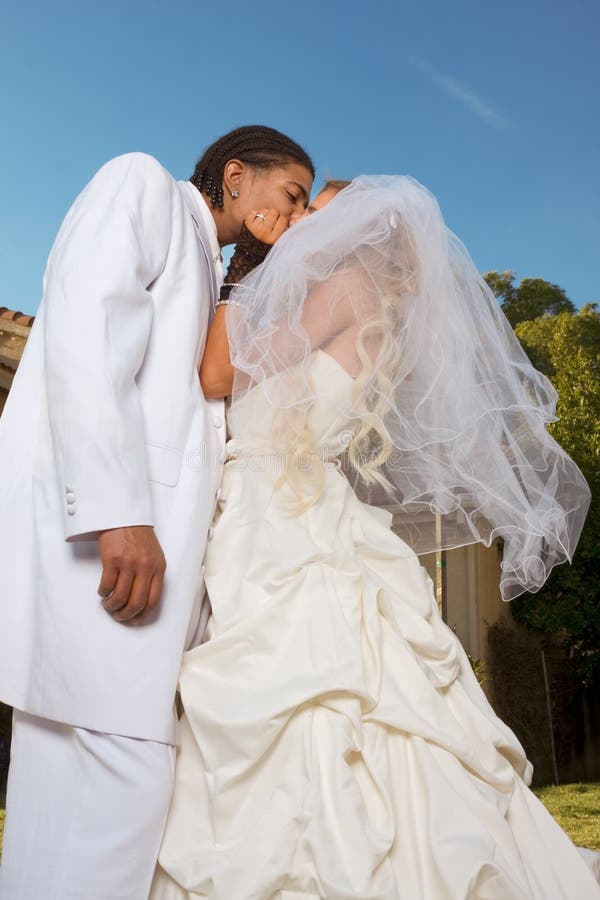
x,y
335,742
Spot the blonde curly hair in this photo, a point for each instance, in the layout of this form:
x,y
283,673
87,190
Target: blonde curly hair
x,y
380,355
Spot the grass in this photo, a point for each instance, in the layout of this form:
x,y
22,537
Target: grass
x,y
576,808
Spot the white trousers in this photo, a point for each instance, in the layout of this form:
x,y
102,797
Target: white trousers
x,y
85,813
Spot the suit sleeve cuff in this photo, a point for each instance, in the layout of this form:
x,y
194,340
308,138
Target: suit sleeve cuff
x,y
84,521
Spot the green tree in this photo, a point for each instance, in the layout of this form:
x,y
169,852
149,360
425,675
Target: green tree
x,y
532,298
566,347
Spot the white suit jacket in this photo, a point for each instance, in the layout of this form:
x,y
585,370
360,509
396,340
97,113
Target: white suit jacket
x,y
106,425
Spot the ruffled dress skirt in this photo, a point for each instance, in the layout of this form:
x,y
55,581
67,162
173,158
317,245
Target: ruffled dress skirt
x,y
335,742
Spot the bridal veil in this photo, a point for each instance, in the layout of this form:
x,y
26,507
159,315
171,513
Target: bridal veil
x,y
447,421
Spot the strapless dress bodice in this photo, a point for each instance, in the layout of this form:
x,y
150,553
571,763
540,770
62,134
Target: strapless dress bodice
x,y
252,421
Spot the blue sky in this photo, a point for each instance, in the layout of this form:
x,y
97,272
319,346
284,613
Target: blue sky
x,y
493,106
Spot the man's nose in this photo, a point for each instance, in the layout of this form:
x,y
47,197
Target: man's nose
x,y
300,206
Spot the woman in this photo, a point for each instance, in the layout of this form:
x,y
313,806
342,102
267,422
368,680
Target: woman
x,y
335,741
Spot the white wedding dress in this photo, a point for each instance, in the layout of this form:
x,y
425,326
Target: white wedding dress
x,y
335,742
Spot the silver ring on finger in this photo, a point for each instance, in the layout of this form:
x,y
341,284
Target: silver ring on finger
x,y
260,216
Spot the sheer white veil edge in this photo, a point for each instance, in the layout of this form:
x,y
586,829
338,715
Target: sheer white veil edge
x,y
447,420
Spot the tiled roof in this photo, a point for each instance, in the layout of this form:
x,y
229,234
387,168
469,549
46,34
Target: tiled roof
x,y
14,315
15,327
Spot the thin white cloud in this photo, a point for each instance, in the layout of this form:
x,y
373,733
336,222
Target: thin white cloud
x,y
461,92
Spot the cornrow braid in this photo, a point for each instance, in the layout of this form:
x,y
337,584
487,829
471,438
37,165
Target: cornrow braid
x,y
256,145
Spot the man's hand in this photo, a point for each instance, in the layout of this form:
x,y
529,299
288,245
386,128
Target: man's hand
x,y
266,224
133,573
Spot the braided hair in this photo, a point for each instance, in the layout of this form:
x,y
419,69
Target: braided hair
x,y
256,145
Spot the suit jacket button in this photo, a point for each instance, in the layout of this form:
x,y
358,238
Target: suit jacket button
x,y
71,510
68,488
70,497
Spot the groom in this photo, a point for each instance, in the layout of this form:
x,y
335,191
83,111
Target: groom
x,y
111,459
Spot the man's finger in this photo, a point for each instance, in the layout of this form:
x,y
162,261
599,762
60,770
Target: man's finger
x,y
153,605
155,592
120,595
108,581
138,598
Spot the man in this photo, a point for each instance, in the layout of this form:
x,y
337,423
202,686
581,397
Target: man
x,y
111,459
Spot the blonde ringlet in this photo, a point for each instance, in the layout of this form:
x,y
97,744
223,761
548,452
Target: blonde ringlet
x,y
380,353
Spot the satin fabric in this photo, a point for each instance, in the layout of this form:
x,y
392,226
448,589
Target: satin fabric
x,y
335,742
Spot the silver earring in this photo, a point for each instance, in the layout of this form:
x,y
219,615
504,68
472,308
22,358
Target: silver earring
x,y
235,194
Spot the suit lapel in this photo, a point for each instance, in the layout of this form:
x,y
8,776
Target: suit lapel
x,y
203,239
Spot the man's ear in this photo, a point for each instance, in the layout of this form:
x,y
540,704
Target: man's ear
x,y
233,175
